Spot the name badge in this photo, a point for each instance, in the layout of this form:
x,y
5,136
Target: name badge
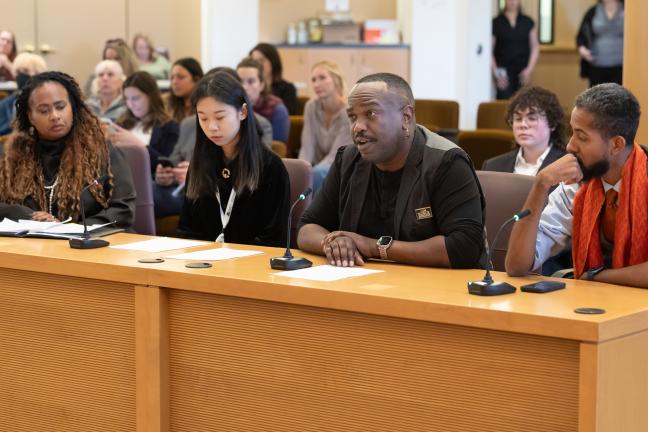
x,y
423,213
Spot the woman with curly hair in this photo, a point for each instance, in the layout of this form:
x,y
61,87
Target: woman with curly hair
x,y
58,149
538,123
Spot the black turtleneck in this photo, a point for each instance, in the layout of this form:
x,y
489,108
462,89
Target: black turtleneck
x,y
49,155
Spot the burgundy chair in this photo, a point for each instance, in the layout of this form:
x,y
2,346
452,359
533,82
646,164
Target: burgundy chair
x,y
505,195
140,166
301,178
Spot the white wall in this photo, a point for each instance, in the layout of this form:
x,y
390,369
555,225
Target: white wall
x,y
229,30
450,52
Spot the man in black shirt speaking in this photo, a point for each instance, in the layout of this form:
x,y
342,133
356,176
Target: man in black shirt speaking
x,y
401,193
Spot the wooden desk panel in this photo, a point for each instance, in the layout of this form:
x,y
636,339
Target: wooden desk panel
x,y
235,347
67,358
249,365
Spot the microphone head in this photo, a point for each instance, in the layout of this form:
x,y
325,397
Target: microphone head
x,y
521,215
304,194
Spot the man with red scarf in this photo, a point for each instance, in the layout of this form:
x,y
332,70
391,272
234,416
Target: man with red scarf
x,y
600,204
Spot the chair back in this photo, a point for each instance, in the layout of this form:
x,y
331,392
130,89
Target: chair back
x,y
140,166
505,195
301,178
484,144
279,148
444,114
491,115
301,103
294,135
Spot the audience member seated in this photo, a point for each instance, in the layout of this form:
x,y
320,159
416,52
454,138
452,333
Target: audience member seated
x,y
326,124
237,190
399,193
57,150
169,180
25,66
145,122
268,105
119,51
269,58
150,61
107,102
600,205
185,73
8,51
537,120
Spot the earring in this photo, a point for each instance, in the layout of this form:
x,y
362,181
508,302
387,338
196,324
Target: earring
x,y
31,130
406,132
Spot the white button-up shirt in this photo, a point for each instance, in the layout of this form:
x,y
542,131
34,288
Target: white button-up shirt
x,y
530,169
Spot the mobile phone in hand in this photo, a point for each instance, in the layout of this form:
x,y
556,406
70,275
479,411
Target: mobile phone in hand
x,y
165,162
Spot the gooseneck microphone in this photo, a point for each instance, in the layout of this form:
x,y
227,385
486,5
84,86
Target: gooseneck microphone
x,y
487,286
288,261
85,242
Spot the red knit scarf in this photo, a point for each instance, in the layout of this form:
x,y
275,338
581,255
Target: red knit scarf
x,y
631,229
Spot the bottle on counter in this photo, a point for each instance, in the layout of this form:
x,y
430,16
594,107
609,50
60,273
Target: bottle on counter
x,y
302,33
292,34
314,31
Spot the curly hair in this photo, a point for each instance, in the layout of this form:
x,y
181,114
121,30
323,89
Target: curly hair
x,y
84,159
543,102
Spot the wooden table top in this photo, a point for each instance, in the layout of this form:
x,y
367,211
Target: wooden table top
x,y
428,294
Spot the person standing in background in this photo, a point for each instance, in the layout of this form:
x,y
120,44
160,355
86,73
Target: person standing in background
x,y
600,43
515,49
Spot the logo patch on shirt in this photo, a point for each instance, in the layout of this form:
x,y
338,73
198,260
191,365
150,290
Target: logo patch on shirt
x,y
423,213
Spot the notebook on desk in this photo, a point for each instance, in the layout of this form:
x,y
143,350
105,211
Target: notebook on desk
x,y
56,230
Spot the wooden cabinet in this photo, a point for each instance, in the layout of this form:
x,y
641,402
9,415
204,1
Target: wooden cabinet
x,y
355,61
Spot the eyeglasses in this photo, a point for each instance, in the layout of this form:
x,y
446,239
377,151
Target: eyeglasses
x,y
531,118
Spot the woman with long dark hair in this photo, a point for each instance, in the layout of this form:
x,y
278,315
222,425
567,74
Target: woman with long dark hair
x,y
237,190
269,58
57,150
185,73
145,122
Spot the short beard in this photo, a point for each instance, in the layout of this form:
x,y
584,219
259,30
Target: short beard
x,y
595,171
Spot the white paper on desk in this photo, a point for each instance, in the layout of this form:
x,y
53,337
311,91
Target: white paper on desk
x,y
7,225
216,254
327,273
160,244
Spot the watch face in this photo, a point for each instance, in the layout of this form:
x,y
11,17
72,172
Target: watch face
x,y
384,240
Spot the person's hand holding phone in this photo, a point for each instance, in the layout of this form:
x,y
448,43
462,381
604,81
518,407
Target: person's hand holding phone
x,y
164,175
180,172
118,135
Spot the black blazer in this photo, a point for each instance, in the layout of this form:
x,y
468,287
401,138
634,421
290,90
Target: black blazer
x,y
506,161
163,140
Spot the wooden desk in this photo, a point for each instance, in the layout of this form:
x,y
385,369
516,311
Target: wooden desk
x,y
93,340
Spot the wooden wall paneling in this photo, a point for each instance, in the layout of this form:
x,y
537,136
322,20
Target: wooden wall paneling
x,y
241,364
635,61
151,347
67,353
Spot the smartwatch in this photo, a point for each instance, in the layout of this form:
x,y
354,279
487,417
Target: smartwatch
x,y
591,273
384,243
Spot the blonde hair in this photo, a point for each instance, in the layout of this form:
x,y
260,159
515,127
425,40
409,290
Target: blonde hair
x,y
127,58
35,63
334,71
152,54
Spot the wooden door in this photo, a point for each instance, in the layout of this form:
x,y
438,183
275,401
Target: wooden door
x,y
296,68
393,60
75,31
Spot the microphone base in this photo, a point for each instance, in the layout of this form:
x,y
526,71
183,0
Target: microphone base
x,y
283,263
88,243
482,288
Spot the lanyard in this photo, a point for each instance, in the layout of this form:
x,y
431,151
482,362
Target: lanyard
x,y
225,216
